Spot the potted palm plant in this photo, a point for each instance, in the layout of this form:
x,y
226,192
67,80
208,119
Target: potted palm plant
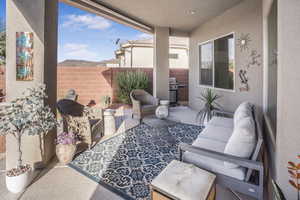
x,y
209,98
26,115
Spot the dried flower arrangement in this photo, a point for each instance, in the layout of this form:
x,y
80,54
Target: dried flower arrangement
x,y
67,138
294,171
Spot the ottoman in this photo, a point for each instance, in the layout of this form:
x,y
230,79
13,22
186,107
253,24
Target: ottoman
x,y
183,181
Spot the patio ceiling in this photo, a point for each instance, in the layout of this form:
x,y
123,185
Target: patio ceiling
x,y
182,16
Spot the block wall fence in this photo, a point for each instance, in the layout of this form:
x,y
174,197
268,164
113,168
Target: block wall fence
x,y
93,83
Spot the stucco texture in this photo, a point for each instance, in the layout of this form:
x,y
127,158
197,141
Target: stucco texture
x,y
244,18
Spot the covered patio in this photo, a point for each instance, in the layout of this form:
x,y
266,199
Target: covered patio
x,y
258,39
67,183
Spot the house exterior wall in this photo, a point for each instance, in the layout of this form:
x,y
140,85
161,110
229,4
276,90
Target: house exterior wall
x,y
245,18
142,57
288,104
182,60
40,18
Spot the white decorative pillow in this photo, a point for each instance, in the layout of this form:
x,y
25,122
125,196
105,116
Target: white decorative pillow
x,y
242,141
244,110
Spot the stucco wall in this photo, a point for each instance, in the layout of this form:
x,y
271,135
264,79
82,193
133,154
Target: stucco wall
x,y
245,18
182,60
39,19
142,57
288,121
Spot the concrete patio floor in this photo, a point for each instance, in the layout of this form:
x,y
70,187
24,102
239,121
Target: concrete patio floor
x,y
58,182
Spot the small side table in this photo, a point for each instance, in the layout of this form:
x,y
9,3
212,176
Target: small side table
x,y
109,122
183,181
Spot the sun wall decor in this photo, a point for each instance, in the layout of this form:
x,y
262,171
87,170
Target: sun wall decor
x,y
244,41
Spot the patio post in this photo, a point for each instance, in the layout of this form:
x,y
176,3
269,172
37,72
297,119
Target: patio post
x,y
40,18
161,63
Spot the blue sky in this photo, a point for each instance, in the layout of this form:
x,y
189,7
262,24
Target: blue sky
x,y
2,9
82,35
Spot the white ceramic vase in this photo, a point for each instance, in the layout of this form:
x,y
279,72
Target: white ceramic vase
x,y
162,111
17,184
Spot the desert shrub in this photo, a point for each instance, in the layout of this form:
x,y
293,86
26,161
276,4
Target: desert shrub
x,y
128,81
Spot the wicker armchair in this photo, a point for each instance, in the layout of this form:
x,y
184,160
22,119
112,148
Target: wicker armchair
x,y
143,103
86,122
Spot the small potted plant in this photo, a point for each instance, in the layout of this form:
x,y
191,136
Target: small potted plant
x,y
66,147
209,100
26,115
294,171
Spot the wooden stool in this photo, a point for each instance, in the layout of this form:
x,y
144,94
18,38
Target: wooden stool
x,y
185,182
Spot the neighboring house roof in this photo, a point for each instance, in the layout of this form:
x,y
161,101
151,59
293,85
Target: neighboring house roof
x,y
175,42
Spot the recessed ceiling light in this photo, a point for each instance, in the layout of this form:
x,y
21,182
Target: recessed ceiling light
x,y
191,12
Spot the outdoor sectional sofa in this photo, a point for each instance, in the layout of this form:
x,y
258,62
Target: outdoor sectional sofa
x,y
230,148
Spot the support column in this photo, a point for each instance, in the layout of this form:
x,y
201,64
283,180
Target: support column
x,y
288,104
161,63
40,18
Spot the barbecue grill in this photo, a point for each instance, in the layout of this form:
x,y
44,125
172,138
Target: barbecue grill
x,y
173,90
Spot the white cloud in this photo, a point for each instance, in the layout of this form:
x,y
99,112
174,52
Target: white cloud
x,y
87,21
77,51
144,36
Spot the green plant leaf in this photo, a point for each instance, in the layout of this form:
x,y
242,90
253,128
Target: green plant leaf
x,y
292,173
209,98
128,81
293,184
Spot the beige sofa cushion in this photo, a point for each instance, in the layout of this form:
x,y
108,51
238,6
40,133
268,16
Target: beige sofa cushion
x,y
244,110
221,121
211,164
243,140
218,133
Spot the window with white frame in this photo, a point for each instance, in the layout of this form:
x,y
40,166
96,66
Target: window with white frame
x,y
217,63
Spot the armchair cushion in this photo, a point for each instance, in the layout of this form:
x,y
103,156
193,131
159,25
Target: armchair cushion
x,y
143,103
211,164
242,141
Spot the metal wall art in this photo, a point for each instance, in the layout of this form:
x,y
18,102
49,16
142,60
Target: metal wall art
x,y
244,41
254,59
24,53
244,80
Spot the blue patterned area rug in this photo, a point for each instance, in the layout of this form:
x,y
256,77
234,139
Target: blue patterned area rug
x,y
128,162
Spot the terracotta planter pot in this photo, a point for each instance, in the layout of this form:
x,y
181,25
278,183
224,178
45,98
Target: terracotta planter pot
x,y
65,153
